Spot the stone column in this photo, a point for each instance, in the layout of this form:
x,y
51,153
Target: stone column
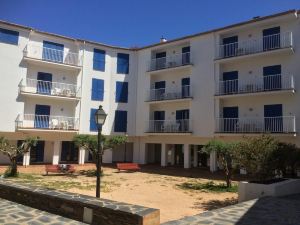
x,y
81,156
142,153
172,155
163,155
56,152
136,149
195,156
187,156
213,161
26,159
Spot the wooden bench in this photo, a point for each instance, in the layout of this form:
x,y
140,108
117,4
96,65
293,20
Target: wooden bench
x,y
59,169
128,166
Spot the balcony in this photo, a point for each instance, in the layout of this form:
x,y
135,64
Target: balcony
x,y
254,46
68,59
173,61
272,83
49,89
284,124
46,122
169,126
163,94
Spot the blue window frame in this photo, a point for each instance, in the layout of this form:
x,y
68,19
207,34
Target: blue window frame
x,y
9,36
93,124
99,60
123,63
122,92
42,114
53,51
120,121
97,89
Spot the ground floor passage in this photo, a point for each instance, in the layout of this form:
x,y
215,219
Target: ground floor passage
x,y
181,155
60,152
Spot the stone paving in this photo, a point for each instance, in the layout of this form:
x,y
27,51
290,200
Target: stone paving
x,y
263,211
12,213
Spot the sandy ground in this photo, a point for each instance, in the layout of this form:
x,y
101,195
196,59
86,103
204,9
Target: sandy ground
x,y
152,187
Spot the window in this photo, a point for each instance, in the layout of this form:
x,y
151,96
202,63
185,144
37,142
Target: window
x,y
271,38
99,60
120,121
97,89
230,46
93,125
122,92
123,63
9,36
53,52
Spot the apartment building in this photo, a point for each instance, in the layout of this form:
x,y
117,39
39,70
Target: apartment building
x,y
169,98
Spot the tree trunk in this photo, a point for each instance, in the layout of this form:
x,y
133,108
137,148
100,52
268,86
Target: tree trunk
x,y
14,167
228,178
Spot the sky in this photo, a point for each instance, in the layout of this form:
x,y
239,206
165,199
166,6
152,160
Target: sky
x,y
135,23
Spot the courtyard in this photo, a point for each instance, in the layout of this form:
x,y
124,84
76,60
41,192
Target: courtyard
x,y
172,190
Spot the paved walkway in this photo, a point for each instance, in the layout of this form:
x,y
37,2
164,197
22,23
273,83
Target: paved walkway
x,y
12,213
263,211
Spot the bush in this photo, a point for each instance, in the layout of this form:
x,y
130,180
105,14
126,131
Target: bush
x,y
256,155
208,186
287,159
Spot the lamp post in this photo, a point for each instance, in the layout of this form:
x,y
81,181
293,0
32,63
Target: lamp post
x,y
100,117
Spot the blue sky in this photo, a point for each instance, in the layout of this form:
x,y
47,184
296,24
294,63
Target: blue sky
x,y
131,23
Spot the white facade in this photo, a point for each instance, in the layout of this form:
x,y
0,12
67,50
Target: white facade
x,y
182,93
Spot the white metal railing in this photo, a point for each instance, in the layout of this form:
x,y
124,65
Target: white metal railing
x,y
170,61
169,94
52,55
49,88
32,121
262,83
283,124
169,126
266,43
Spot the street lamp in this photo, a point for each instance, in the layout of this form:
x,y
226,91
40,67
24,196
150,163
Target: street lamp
x,y
100,117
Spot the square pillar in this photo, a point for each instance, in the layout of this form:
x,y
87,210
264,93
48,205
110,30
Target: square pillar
x,y
136,149
213,162
81,156
142,153
172,150
195,163
56,152
163,155
187,156
26,159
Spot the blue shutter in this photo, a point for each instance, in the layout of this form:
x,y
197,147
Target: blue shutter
x,y
120,121
123,63
53,51
97,89
93,125
99,60
9,36
122,92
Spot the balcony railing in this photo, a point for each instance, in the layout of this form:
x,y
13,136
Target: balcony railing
x,y
166,94
267,43
52,55
32,121
170,61
283,124
169,126
49,88
264,83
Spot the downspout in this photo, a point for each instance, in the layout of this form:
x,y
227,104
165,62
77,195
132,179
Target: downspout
x,y
81,85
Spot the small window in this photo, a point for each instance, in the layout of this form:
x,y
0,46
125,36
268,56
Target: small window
x,y
122,92
97,89
99,60
123,63
120,121
9,36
